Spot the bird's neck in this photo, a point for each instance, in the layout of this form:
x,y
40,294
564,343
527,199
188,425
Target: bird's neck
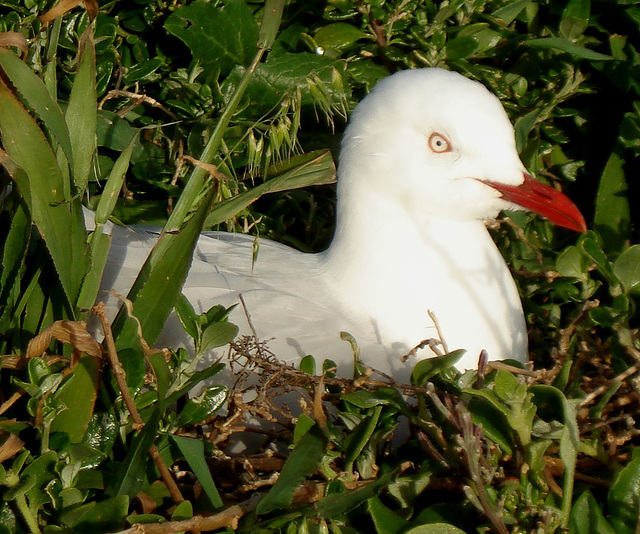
x,y
384,267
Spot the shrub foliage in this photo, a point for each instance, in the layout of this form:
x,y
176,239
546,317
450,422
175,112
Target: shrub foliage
x,y
226,114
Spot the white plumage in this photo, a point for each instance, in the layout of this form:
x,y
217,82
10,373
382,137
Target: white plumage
x,y
426,158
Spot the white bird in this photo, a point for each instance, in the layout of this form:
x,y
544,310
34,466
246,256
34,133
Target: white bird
x,y
427,157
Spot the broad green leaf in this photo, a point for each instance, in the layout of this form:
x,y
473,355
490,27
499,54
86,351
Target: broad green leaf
x,y
357,440
202,407
36,97
627,269
380,396
587,517
461,47
217,335
523,127
193,452
434,528
187,316
571,263
81,114
308,365
595,253
303,425
104,516
58,219
612,219
219,37
78,393
510,11
319,169
624,499
564,45
426,369
338,35
336,504
385,521
183,511
142,70
175,392
302,462
113,131
575,19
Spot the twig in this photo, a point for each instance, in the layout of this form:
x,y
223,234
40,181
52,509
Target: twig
x,y
226,519
439,331
512,369
618,379
100,310
139,99
565,337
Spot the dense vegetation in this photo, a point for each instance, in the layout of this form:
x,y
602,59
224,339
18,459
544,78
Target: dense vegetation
x,y
228,113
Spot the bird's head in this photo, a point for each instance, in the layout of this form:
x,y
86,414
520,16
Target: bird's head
x,y
443,147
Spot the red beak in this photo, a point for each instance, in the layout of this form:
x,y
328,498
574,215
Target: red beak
x,y
544,200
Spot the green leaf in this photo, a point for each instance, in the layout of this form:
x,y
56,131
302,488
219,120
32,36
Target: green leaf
x,y
100,242
193,380
217,334
202,407
523,127
14,251
338,35
78,394
385,521
587,517
81,114
336,504
612,219
510,11
595,253
357,440
461,47
105,516
624,499
187,316
193,452
571,263
575,19
308,365
564,45
302,462
426,369
434,528
142,70
317,168
271,19
42,185
219,38
36,97
627,269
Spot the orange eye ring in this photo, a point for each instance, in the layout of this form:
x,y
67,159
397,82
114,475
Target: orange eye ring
x,y
439,144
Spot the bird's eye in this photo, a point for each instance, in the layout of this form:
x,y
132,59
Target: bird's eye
x,y
438,143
